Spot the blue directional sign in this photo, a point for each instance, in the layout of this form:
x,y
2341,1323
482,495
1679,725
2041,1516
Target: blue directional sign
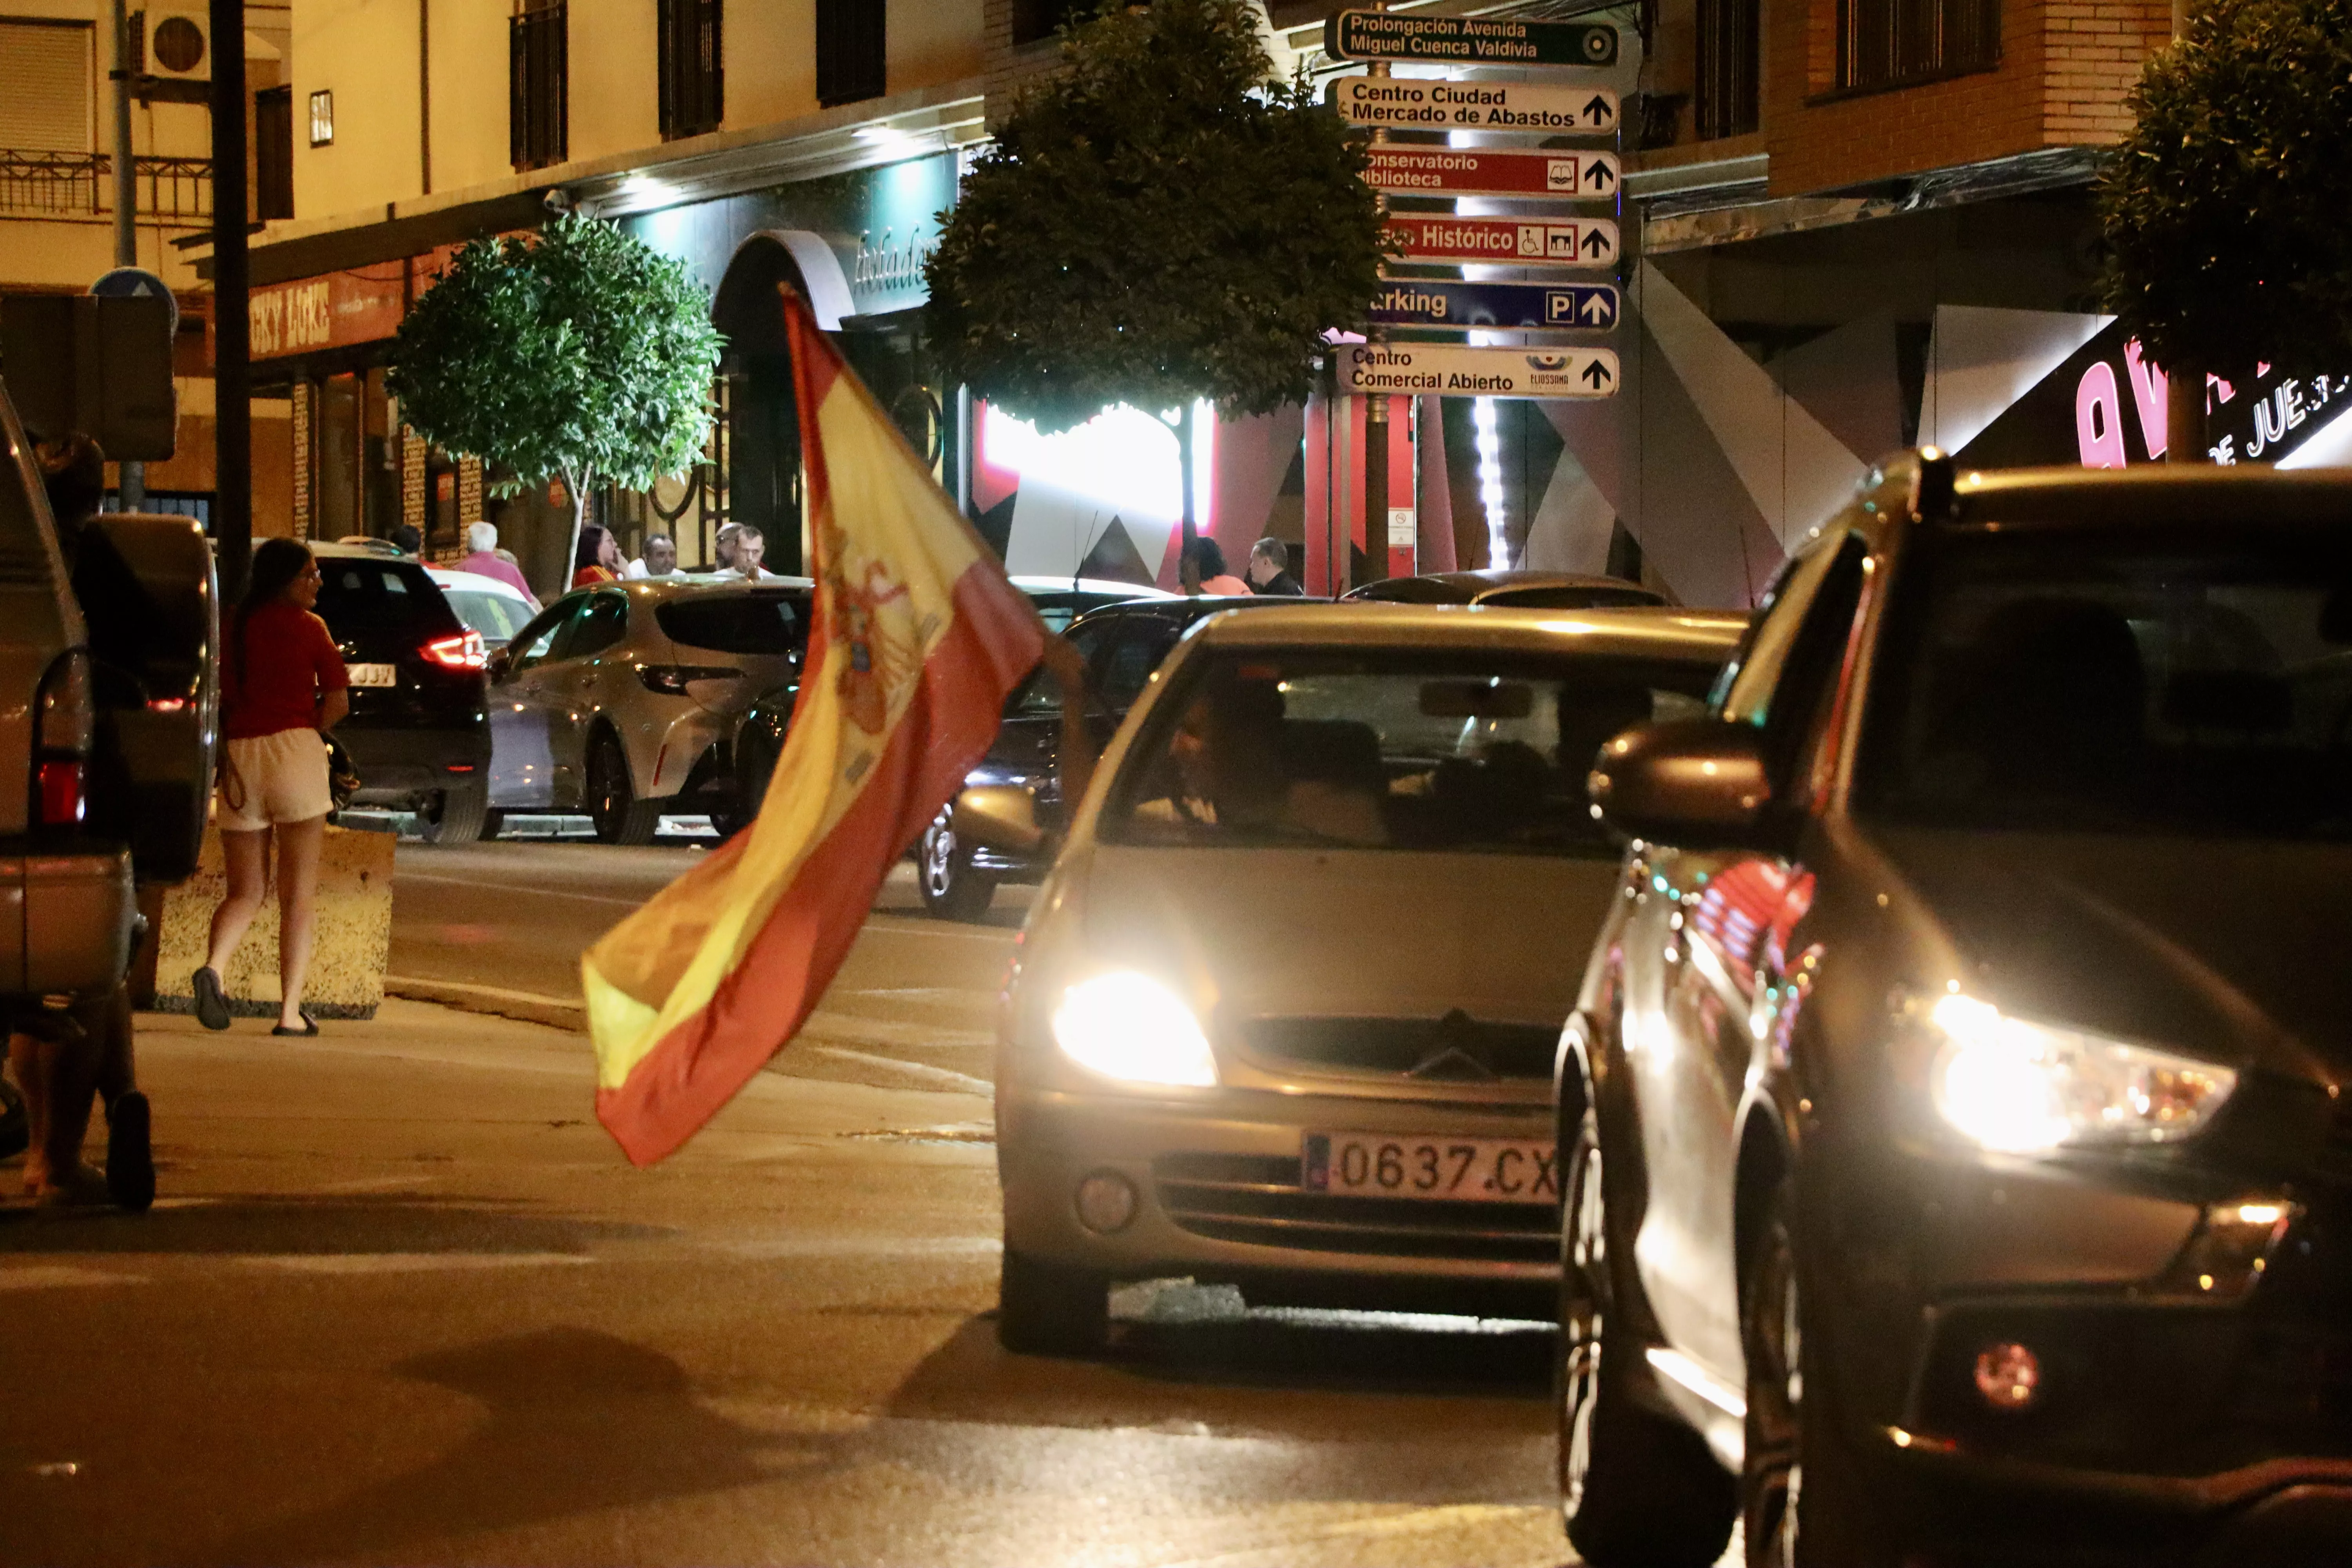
x,y
1577,307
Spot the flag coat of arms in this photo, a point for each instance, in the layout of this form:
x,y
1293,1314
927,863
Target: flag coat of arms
x,y
915,640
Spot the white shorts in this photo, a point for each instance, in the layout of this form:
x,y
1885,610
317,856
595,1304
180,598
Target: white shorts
x,y
271,779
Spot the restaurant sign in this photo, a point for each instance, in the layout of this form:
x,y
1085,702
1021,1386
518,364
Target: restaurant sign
x,y
327,313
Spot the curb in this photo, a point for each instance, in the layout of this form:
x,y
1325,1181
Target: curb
x,y
527,1007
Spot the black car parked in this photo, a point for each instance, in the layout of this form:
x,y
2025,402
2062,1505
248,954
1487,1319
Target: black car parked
x,y
417,733
1956,1120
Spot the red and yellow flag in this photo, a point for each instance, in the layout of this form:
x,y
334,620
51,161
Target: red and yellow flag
x,y
916,642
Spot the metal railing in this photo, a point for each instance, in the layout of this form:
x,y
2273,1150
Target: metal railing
x,y
81,185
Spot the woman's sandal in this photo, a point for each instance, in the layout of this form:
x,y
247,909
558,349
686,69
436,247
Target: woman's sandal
x,y
212,1006
310,1028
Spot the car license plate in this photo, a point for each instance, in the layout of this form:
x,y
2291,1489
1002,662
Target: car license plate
x,y
1407,1165
373,674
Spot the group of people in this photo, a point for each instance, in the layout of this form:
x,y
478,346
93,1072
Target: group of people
x,y
1268,569
741,549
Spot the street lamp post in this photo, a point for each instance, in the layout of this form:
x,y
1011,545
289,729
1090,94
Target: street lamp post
x,y
131,488
232,331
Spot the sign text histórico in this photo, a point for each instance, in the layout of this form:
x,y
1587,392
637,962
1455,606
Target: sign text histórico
x,y
1506,241
1417,104
1448,371
1567,307
1485,172
1467,40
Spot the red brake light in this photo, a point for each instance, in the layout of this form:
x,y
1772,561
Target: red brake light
x,y
61,793
464,652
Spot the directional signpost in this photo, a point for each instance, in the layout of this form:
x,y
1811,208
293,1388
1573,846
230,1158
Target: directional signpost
x,y
1509,241
1413,103
1490,171
1467,40
1573,307
1450,371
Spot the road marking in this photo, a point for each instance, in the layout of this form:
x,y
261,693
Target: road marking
x,y
1450,1516
403,1262
865,1029
913,925
399,877
53,1276
864,1246
946,1079
498,991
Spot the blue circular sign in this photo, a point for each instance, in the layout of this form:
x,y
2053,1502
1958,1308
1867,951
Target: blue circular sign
x,y
136,283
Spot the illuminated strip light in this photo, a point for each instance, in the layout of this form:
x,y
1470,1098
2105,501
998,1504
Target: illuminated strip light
x,y
1681,1369
1490,442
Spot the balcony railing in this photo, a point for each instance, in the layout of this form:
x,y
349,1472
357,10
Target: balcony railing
x,y
81,185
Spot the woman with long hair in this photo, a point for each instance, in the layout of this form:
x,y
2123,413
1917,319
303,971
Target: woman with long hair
x,y
284,687
598,559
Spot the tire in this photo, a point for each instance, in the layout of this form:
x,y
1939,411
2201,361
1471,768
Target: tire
x,y
1800,1504
454,816
1637,1488
951,889
613,805
1045,1308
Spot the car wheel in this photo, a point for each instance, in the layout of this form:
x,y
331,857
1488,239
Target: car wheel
x,y
453,816
620,817
1636,1487
1799,1505
1045,1309
951,889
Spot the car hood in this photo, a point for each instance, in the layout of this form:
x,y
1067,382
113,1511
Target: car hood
x,y
2221,947
1306,934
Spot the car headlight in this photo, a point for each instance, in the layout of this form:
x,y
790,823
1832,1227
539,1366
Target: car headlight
x,y
1130,1026
2030,1087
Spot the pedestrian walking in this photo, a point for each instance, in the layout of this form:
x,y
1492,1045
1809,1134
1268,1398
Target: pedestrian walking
x,y
284,688
1209,561
65,1058
1269,569
598,559
486,558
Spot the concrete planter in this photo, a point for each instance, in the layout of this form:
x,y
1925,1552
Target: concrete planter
x,y
346,963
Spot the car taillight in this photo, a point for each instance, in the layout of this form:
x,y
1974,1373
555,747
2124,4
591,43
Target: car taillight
x,y
61,793
670,680
464,652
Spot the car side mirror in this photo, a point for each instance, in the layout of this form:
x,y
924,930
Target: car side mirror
x,y
500,660
1001,816
1695,784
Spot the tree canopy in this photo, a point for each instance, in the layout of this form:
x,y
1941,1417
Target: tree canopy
x,y
579,352
1157,222
2224,211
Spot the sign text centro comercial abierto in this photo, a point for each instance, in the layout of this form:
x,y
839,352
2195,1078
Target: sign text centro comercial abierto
x,y
1484,171
1417,103
1467,40
1509,241
1564,307
1449,371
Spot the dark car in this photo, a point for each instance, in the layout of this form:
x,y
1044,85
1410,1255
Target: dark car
x,y
1513,590
417,734
1959,1155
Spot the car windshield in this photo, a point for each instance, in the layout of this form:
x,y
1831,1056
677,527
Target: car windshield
x,y
1389,750
494,616
2138,680
736,622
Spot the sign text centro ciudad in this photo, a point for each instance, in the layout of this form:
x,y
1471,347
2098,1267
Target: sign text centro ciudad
x,y
1418,104
1488,172
1467,40
1448,370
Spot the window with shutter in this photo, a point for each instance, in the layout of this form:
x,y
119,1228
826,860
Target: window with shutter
x,y
46,105
538,115
693,78
1893,43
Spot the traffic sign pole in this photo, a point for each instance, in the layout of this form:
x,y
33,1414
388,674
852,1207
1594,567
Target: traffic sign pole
x,y
1376,415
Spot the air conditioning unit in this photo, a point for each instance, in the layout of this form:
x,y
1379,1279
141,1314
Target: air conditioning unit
x,y
173,43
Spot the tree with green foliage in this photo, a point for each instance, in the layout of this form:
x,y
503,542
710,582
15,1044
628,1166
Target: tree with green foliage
x,y
2225,209
578,353
1157,222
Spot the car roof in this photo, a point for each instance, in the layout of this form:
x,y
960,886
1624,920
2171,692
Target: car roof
x,y
1029,582
1190,607
1474,582
1635,632
2156,493
475,582
335,549
685,584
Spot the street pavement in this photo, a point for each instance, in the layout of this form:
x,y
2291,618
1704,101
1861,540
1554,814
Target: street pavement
x,y
401,1301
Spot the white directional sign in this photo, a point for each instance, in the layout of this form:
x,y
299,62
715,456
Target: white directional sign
x,y
1452,372
1509,241
1417,104
1490,171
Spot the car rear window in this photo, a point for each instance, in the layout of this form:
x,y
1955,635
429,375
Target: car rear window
x,y
737,623
494,616
357,598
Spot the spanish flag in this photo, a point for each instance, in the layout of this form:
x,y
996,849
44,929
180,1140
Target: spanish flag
x,y
916,641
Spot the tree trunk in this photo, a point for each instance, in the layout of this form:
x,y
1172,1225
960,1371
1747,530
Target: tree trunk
x,y
2184,416
578,488
1188,568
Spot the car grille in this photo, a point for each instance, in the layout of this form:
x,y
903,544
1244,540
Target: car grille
x,y
1455,1048
1257,1199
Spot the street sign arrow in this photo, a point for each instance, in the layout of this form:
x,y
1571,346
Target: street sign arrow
x,y
1416,170
1467,40
1450,370
1420,103
1568,307
1509,241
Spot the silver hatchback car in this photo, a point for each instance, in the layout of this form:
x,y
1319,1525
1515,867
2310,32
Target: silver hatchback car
x,y
1284,1013
619,700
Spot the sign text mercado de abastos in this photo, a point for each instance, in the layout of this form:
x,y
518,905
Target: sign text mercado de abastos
x,y
1417,103
1449,370
1467,40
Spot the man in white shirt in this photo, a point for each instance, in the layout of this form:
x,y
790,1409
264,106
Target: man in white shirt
x,y
751,546
660,558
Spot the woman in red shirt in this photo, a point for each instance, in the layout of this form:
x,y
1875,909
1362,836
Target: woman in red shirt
x,y
283,687
598,559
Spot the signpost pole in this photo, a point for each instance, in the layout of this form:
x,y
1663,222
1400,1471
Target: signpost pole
x,y
232,327
1376,420
132,485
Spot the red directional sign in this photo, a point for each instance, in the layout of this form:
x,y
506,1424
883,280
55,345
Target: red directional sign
x,y
1509,241
1486,171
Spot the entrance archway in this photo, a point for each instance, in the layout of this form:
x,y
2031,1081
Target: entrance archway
x,y
763,432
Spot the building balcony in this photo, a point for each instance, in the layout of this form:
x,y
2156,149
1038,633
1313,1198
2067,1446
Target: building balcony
x,y
67,186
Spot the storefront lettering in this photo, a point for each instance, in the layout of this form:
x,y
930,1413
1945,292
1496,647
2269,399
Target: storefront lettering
x,y
889,266
289,320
